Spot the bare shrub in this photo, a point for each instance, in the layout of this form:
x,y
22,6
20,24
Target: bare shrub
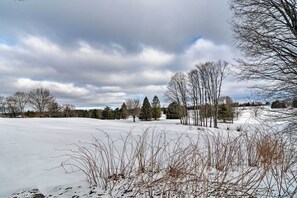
x,y
201,165
270,150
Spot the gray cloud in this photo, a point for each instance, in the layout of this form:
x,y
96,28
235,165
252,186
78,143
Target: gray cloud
x,y
99,53
165,24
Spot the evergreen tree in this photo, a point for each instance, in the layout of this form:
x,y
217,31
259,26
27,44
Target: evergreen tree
x,y
117,114
145,113
173,111
156,108
107,113
225,112
30,114
124,111
86,114
278,104
95,114
164,110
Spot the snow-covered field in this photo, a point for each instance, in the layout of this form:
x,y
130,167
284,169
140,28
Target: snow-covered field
x,y
31,149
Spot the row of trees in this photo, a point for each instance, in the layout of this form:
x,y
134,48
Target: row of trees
x,y
145,112
105,114
200,90
40,102
284,104
39,99
226,111
131,107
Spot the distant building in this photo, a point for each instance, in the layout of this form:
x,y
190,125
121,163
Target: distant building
x,y
225,100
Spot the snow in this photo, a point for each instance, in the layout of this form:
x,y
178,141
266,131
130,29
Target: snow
x,y
31,149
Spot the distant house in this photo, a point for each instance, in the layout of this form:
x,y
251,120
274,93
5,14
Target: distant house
x,y
225,100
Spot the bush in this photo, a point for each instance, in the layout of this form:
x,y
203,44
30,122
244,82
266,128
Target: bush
x,y
270,149
278,104
152,164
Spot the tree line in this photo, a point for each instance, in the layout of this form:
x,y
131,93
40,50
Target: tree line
x,y
145,111
40,102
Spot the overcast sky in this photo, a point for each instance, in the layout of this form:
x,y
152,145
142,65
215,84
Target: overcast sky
x,y
100,52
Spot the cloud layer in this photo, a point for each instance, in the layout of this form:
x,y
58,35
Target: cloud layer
x,y
99,53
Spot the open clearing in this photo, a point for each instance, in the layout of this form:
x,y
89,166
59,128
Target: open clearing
x,y
31,149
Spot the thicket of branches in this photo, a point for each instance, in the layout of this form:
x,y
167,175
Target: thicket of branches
x,y
261,164
266,33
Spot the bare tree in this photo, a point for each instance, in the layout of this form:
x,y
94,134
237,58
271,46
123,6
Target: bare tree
x,y
11,106
266,33
68,110
217,74
177,92
195,93
198,92
204,73
20,99
2,105
133,106
256,110
54,109
40,98
202,88
212,75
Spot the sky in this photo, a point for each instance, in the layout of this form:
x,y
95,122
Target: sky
x,y
98,53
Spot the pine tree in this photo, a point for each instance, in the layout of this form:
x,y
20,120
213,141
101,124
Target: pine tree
x,y
225,112
156,108
117,114
94,114
145,113
86,114
124,111
107,113
278,104
173,111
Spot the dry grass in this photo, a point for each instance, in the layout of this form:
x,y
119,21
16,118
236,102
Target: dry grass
x,y
271,150
152,164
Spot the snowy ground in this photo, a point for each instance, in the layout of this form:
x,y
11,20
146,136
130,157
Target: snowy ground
x,y
30,148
